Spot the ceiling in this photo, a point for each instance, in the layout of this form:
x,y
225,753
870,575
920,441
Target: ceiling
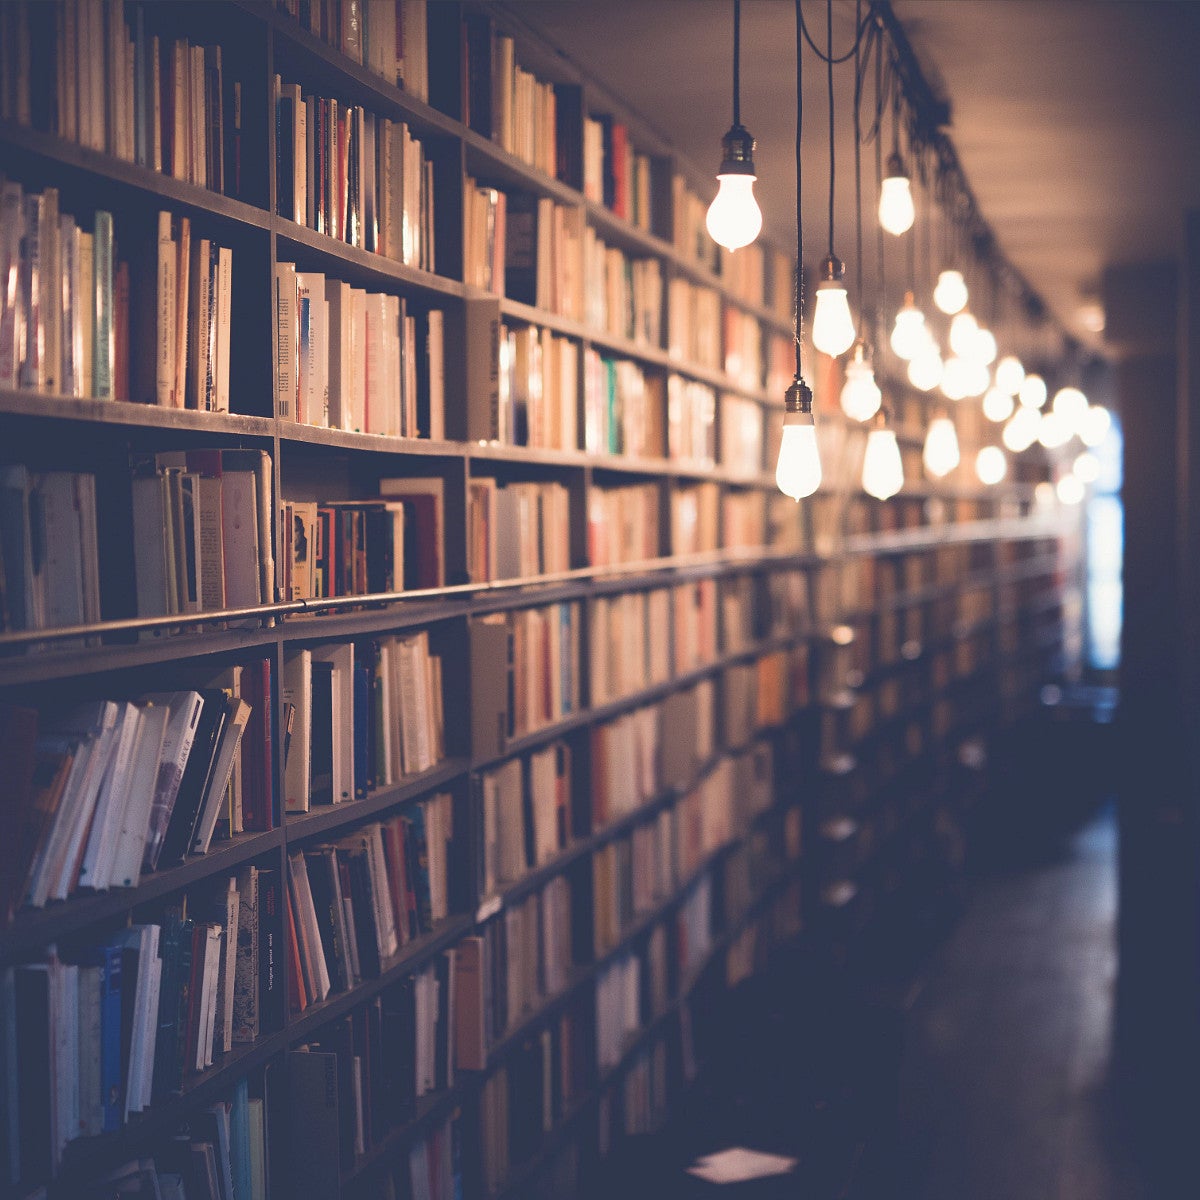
x,y
1077,122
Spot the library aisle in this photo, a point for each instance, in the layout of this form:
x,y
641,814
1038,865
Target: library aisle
x,y
1004,1087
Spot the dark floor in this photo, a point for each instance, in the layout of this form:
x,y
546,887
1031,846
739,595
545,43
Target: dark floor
x,y
986,1079
1004,1089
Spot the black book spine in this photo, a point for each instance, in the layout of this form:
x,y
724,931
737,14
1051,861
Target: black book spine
x,y
194,784
285,147
364,915
270,952
324,902
321,756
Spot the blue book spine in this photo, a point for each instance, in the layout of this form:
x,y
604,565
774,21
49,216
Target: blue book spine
x,y
111,1077
239,1141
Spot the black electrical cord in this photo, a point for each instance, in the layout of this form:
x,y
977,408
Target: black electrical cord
x,y
737,61
798,308
829,94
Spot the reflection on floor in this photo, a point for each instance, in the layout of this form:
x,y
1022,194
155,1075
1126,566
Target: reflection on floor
x,y
1004,1088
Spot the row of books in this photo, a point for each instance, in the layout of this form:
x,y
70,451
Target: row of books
x,y
517,530
623,409
60,332
627,651
624,294
355,176
182,301
95,72
743,519
526,814
643,1091
694,624
524,673
543,254
538,389
740,597
694,927
112,789
623,523
743,348
691,409
485,223
524,110
741,428
615,174
528,954
618,1008
625,764
694,518
361,716
530,1094
689,226
353,904
357,360
365,547
694,324
123,1023
49,563
630,875
388,37
202,531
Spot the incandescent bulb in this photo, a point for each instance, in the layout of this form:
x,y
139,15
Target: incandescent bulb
x,y
734,219
1071,404
1070,489
883,470
1010,374
896,211
925,367
950,295
1053,430
983,350
1086,467
1095,425
997,403
941,447
963,330
990,465
956,378
909,330
798,471
1021,432
1032,392
977,377
833,326
861,396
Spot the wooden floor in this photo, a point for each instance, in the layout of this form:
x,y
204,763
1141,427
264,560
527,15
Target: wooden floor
x,y
1004,1083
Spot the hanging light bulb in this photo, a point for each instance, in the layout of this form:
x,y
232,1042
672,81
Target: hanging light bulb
x,y
861,396
1053,430
1095,425
1070,490
950,294
997,403
941,447
977,378
798,471
1086,467
963,329
896,210
833,326
956,378
1022,430
925,367
983,348
883,469
1010,374
1032,392
909,329
990,465
734,218
1071,404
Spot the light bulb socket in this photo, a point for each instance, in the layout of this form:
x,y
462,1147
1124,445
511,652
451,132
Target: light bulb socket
x,y
881,418
862,350
737,152
895,167
832,269
797,401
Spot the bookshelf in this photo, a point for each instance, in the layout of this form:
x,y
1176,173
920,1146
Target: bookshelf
x,y
497,559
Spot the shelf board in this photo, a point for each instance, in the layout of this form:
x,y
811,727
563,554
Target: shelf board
x,y
324,818
97,163
37,927
124,412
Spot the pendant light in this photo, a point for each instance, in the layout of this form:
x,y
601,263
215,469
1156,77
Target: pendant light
x,y
1095,426
909,330
833,326
896,210
798,470
1032,392
963,331
940,453
883,468
734,219
861,396
998,404
990,465
1010,374
950,294
1021,431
